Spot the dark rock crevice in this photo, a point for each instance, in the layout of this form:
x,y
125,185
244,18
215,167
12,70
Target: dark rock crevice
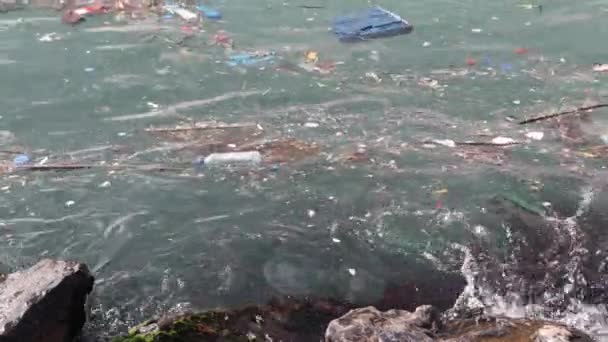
x,y
45,302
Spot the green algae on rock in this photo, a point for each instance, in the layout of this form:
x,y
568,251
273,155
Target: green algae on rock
x,y
286,320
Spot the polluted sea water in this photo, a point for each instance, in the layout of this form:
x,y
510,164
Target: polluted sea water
x,y
302,159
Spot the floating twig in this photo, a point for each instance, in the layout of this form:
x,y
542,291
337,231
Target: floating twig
x,y
311,6
11,152
198,127
55,167
72,167
486,143
567,112
498,141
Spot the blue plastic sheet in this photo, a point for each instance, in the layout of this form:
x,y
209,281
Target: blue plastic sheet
x,y
247,59
209,13
374,22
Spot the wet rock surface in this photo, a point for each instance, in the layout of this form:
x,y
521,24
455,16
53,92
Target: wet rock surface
x,y
45,302
369,324
284,320
292,320
496,329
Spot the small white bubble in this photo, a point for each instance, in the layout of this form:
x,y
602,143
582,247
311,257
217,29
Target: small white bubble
x,y
352,271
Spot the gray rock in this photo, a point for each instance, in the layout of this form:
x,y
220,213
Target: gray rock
x,y
553,333
369,324
485,329
45,302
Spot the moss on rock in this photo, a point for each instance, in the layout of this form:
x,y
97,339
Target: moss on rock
x,y
288,321
205,326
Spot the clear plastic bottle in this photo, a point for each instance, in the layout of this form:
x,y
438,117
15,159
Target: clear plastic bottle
x,y
248,157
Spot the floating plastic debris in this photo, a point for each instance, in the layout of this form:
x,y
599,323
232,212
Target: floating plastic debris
x,y
503,141
105,184
21,159
445,142
249,157
521,51
50,37
254,58
535,135
374,22
209,13
311,56
600,67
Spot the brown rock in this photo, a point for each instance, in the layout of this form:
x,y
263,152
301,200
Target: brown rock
x,y
45,302
554,333
283,319
370,325
503,329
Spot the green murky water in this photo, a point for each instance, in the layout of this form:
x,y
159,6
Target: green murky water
x,y
341,222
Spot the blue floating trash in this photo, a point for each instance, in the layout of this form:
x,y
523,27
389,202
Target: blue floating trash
x,y
506,67
371,23
21,160
247,59
209,13
488,61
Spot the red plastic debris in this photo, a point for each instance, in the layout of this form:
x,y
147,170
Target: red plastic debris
x,y
92,9
223,39
71,17
438,204
187,29
521,51
471,61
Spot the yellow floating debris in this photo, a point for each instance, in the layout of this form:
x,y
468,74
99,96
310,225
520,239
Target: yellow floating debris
x,y
312,56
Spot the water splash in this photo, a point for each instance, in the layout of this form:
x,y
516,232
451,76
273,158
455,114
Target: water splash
x,y
557,303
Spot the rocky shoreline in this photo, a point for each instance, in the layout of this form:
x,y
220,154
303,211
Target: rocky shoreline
x,y
47,302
